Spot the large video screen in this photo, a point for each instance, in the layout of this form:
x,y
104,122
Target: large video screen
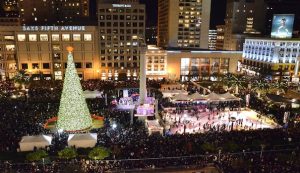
x,y
282,26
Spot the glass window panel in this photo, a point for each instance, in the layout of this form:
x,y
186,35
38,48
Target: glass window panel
x,y
65,37
44,37
21,37
55,37
87,37
32,37
76,37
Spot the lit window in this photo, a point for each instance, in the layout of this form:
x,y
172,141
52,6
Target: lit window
x,y
35,65
76,37
32,37
21,37
55,47
9,38
55,37
87,37
65,37
43,37
10,47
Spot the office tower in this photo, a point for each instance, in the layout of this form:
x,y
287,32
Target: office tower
x,y
56,12
9,8
183,23
220,37
244,18
212,39
121,25
151,35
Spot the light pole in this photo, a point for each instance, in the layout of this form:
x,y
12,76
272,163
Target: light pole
x,y
43,159
59,133
219,157
261,151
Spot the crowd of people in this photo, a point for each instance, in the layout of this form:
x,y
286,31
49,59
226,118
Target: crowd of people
x,y
131,146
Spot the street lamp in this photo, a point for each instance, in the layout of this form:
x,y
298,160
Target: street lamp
x,y
59,132
114,126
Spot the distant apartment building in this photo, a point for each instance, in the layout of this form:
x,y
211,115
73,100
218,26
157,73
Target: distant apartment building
x,y
244,18
212,39
151,35
9,8
54,12
183,23
220,37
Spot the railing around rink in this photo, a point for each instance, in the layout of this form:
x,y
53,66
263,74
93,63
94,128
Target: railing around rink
x,y
145,164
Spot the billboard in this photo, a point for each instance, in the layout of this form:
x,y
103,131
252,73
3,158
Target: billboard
x,y
282,26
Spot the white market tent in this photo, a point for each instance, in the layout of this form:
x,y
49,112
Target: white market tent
x,y
171,93
213,97
92,94
154,126
181,97
196,97
28,143
86,140
229,97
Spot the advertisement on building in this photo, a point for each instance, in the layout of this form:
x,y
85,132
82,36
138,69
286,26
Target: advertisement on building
x,y
282,26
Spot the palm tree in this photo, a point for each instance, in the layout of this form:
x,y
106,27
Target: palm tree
x,y
260,86
237,81
21,79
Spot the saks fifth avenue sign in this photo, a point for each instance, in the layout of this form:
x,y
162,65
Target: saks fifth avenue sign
x,y
122,5
53,28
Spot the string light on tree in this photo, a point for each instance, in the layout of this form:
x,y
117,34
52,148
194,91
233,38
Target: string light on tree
x,y
73,112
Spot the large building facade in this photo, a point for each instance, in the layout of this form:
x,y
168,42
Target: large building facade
x,y
183,23
244,18
201,65
272,57
42,49
121,27
57,12
190,64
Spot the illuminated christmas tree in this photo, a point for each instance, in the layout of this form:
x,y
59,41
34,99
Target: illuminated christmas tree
x,y
73,112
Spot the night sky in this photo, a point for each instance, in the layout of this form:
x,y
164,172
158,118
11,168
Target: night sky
x,y
217,12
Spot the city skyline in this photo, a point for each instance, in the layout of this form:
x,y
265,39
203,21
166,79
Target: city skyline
x,y
94,86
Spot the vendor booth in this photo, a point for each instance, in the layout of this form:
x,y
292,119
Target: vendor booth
x,y
29,143
87,140
153,126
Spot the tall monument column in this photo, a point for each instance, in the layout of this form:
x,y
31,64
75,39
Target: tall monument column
x,y
143,86
296,71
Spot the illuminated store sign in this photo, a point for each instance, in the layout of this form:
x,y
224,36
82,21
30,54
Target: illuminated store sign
x,y
53,28
121,5
282,26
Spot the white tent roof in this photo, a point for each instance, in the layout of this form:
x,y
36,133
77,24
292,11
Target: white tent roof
x,y
171,93
92,94
229,96
214,97
28,143
85,140
154,126
181,97
197,96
